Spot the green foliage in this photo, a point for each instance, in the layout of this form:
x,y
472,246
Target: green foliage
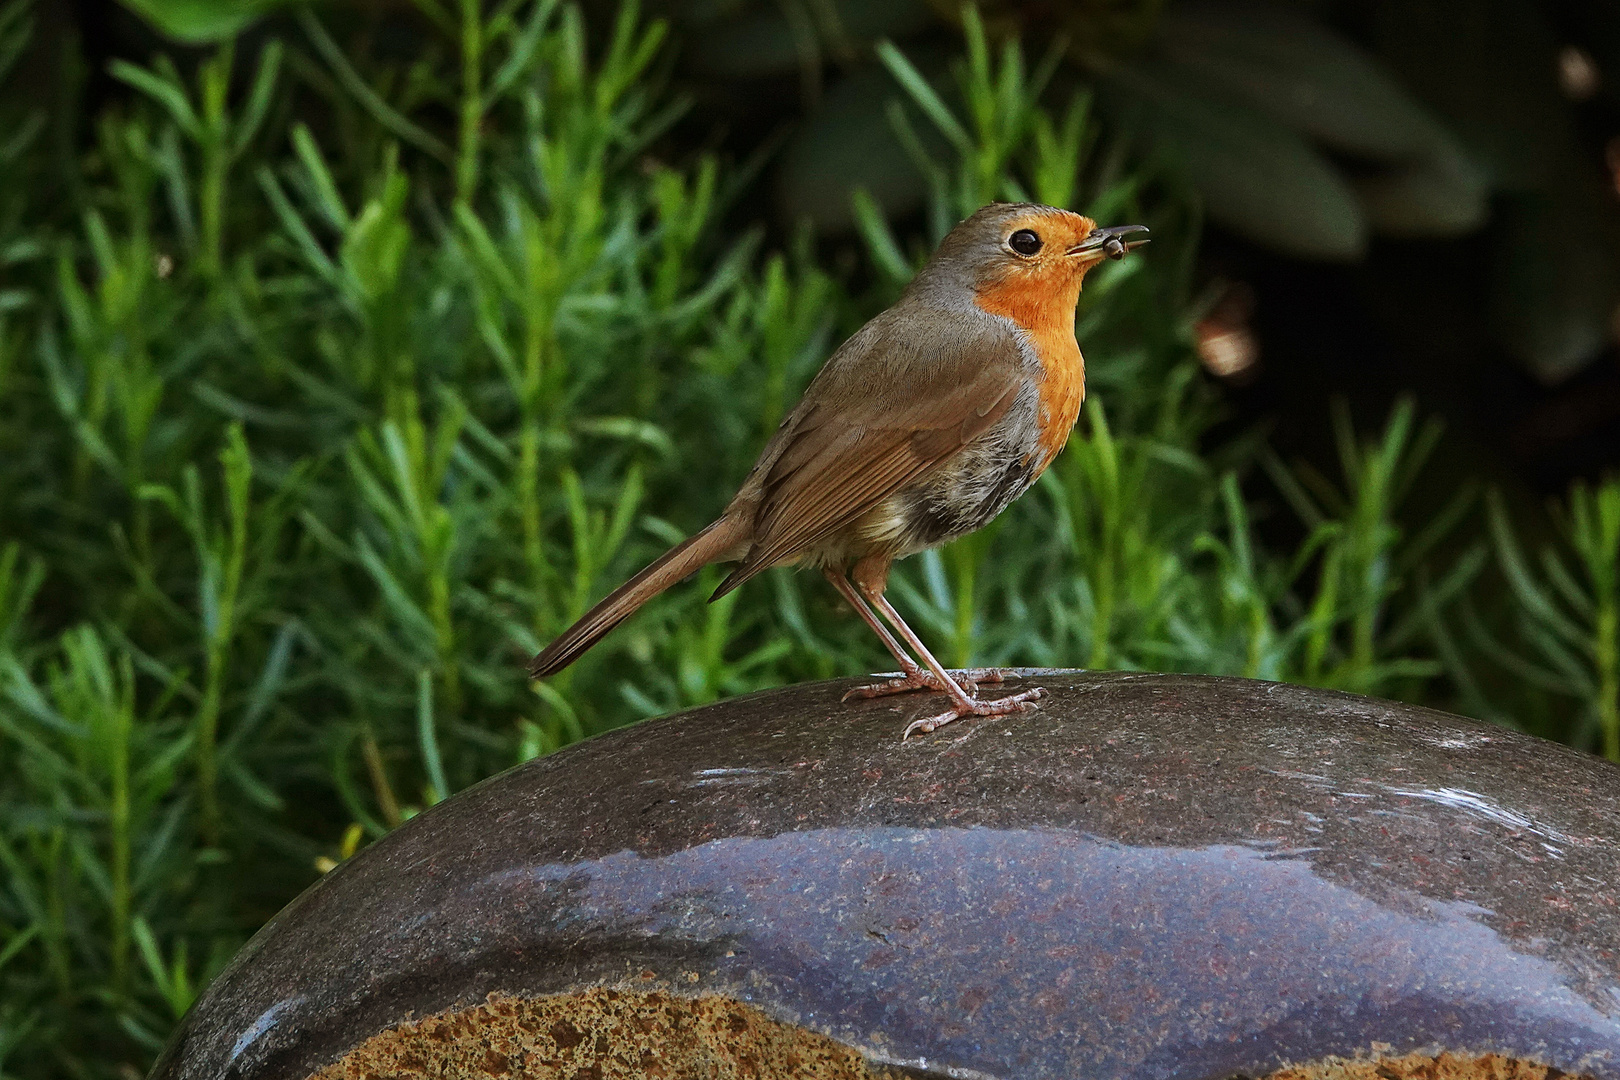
x,y
347,384
201,21
1560,640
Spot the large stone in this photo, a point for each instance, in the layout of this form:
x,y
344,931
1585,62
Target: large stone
x,y
1150,876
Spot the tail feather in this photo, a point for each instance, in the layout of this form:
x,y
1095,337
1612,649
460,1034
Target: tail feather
x,y
674,565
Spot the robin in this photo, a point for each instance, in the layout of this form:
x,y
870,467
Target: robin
x,y
921,428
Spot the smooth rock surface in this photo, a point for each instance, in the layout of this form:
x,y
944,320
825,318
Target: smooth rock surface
x,y
1150,876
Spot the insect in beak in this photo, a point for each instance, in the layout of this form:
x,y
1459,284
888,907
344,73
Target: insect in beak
x,y
1109,242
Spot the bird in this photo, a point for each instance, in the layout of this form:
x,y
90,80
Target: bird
x,y
920,428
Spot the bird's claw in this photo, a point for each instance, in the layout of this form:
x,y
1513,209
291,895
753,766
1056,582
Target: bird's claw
x,y
967,679
1000,707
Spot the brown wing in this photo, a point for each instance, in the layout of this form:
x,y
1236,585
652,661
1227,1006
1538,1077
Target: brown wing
x,y
871,424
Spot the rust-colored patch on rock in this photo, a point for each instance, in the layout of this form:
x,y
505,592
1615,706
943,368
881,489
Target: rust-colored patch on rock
x,y
603,1034
1447,1066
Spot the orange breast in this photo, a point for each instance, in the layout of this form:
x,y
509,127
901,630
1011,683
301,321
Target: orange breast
x,y
1045,310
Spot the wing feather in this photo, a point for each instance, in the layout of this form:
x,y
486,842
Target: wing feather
x,y
846,456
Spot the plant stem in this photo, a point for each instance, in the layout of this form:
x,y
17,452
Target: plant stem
x,y
1606,641
206,733
472,104
119,826
215,84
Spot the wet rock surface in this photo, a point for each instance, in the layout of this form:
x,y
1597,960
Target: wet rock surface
x,y
1150,876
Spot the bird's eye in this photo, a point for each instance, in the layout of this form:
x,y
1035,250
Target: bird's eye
x,y
1024,241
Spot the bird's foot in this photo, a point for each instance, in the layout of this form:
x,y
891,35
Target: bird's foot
x,y
999,707
918,679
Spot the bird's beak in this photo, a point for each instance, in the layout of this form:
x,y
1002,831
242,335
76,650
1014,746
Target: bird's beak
x,y
1109,243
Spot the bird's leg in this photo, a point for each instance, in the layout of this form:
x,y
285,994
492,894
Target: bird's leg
x,y
871,576
913,676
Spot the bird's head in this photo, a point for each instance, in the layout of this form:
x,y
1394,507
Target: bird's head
x,y
1023,254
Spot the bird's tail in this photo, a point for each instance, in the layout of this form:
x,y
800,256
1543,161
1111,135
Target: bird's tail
x,y
678,562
